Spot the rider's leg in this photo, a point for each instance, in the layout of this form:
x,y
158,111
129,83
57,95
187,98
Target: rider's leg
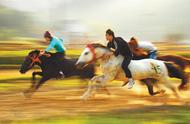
x,y
58,64
153,55
129,80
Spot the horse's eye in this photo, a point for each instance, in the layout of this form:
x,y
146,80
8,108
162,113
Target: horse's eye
x,y
86,53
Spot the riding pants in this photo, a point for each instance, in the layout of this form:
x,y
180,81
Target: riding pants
x,y
125,65
57,60
153,54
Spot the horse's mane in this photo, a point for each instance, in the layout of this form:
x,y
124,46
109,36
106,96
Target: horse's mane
x,y
38,52
34,51
98,45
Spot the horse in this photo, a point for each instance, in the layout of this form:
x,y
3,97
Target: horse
x,y
181,61
48,71
157,70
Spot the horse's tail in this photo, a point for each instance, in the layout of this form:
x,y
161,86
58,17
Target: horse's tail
x,y
181,61
175,71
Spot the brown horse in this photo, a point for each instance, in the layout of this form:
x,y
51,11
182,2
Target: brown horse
x,y
181,61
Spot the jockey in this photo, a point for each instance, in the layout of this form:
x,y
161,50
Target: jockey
x,y
121,47
57,44
147,47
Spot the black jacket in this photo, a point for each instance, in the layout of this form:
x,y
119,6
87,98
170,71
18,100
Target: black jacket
x,y
122,47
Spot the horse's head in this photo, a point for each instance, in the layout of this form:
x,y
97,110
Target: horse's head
x,y
91,53
30,60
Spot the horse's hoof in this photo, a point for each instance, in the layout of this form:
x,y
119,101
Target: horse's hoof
x,y
162,91
27,94
183,87
92,96
83,98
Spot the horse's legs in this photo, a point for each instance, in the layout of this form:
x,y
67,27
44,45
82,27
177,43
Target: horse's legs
x,y
34,87
34,79
34,76
42,81
101,82
106,90
149,85
36,73
88,92
93,84
168,84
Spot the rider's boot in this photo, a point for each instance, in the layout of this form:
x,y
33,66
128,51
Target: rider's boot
x,y
60,75
130,82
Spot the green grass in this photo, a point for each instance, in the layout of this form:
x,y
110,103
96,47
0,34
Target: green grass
x,y
73,52
17,82
25,53
14,53
150,115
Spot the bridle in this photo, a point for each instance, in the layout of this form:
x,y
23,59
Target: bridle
x,y
34,60
92,50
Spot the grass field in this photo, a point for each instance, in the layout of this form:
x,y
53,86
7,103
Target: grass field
x,y
58,101
151,115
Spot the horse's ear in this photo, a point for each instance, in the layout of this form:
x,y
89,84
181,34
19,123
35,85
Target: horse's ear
x,y
37,51
34,53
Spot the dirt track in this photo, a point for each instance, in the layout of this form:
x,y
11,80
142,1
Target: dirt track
x,y
51,101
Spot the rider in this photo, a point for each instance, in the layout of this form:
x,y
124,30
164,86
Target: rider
x,y
121,47
57,44
148,47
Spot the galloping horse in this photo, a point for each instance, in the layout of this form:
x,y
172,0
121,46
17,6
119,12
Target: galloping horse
x,y
181,61
68,68
141,69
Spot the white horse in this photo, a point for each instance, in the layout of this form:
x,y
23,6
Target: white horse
x,y
140,69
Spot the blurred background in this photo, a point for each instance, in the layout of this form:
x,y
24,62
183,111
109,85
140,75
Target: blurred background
x,y
154,20
78,22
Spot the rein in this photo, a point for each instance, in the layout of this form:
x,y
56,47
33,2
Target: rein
x,y
34,60
92,50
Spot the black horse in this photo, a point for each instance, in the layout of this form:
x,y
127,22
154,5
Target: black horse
x,y
48,69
